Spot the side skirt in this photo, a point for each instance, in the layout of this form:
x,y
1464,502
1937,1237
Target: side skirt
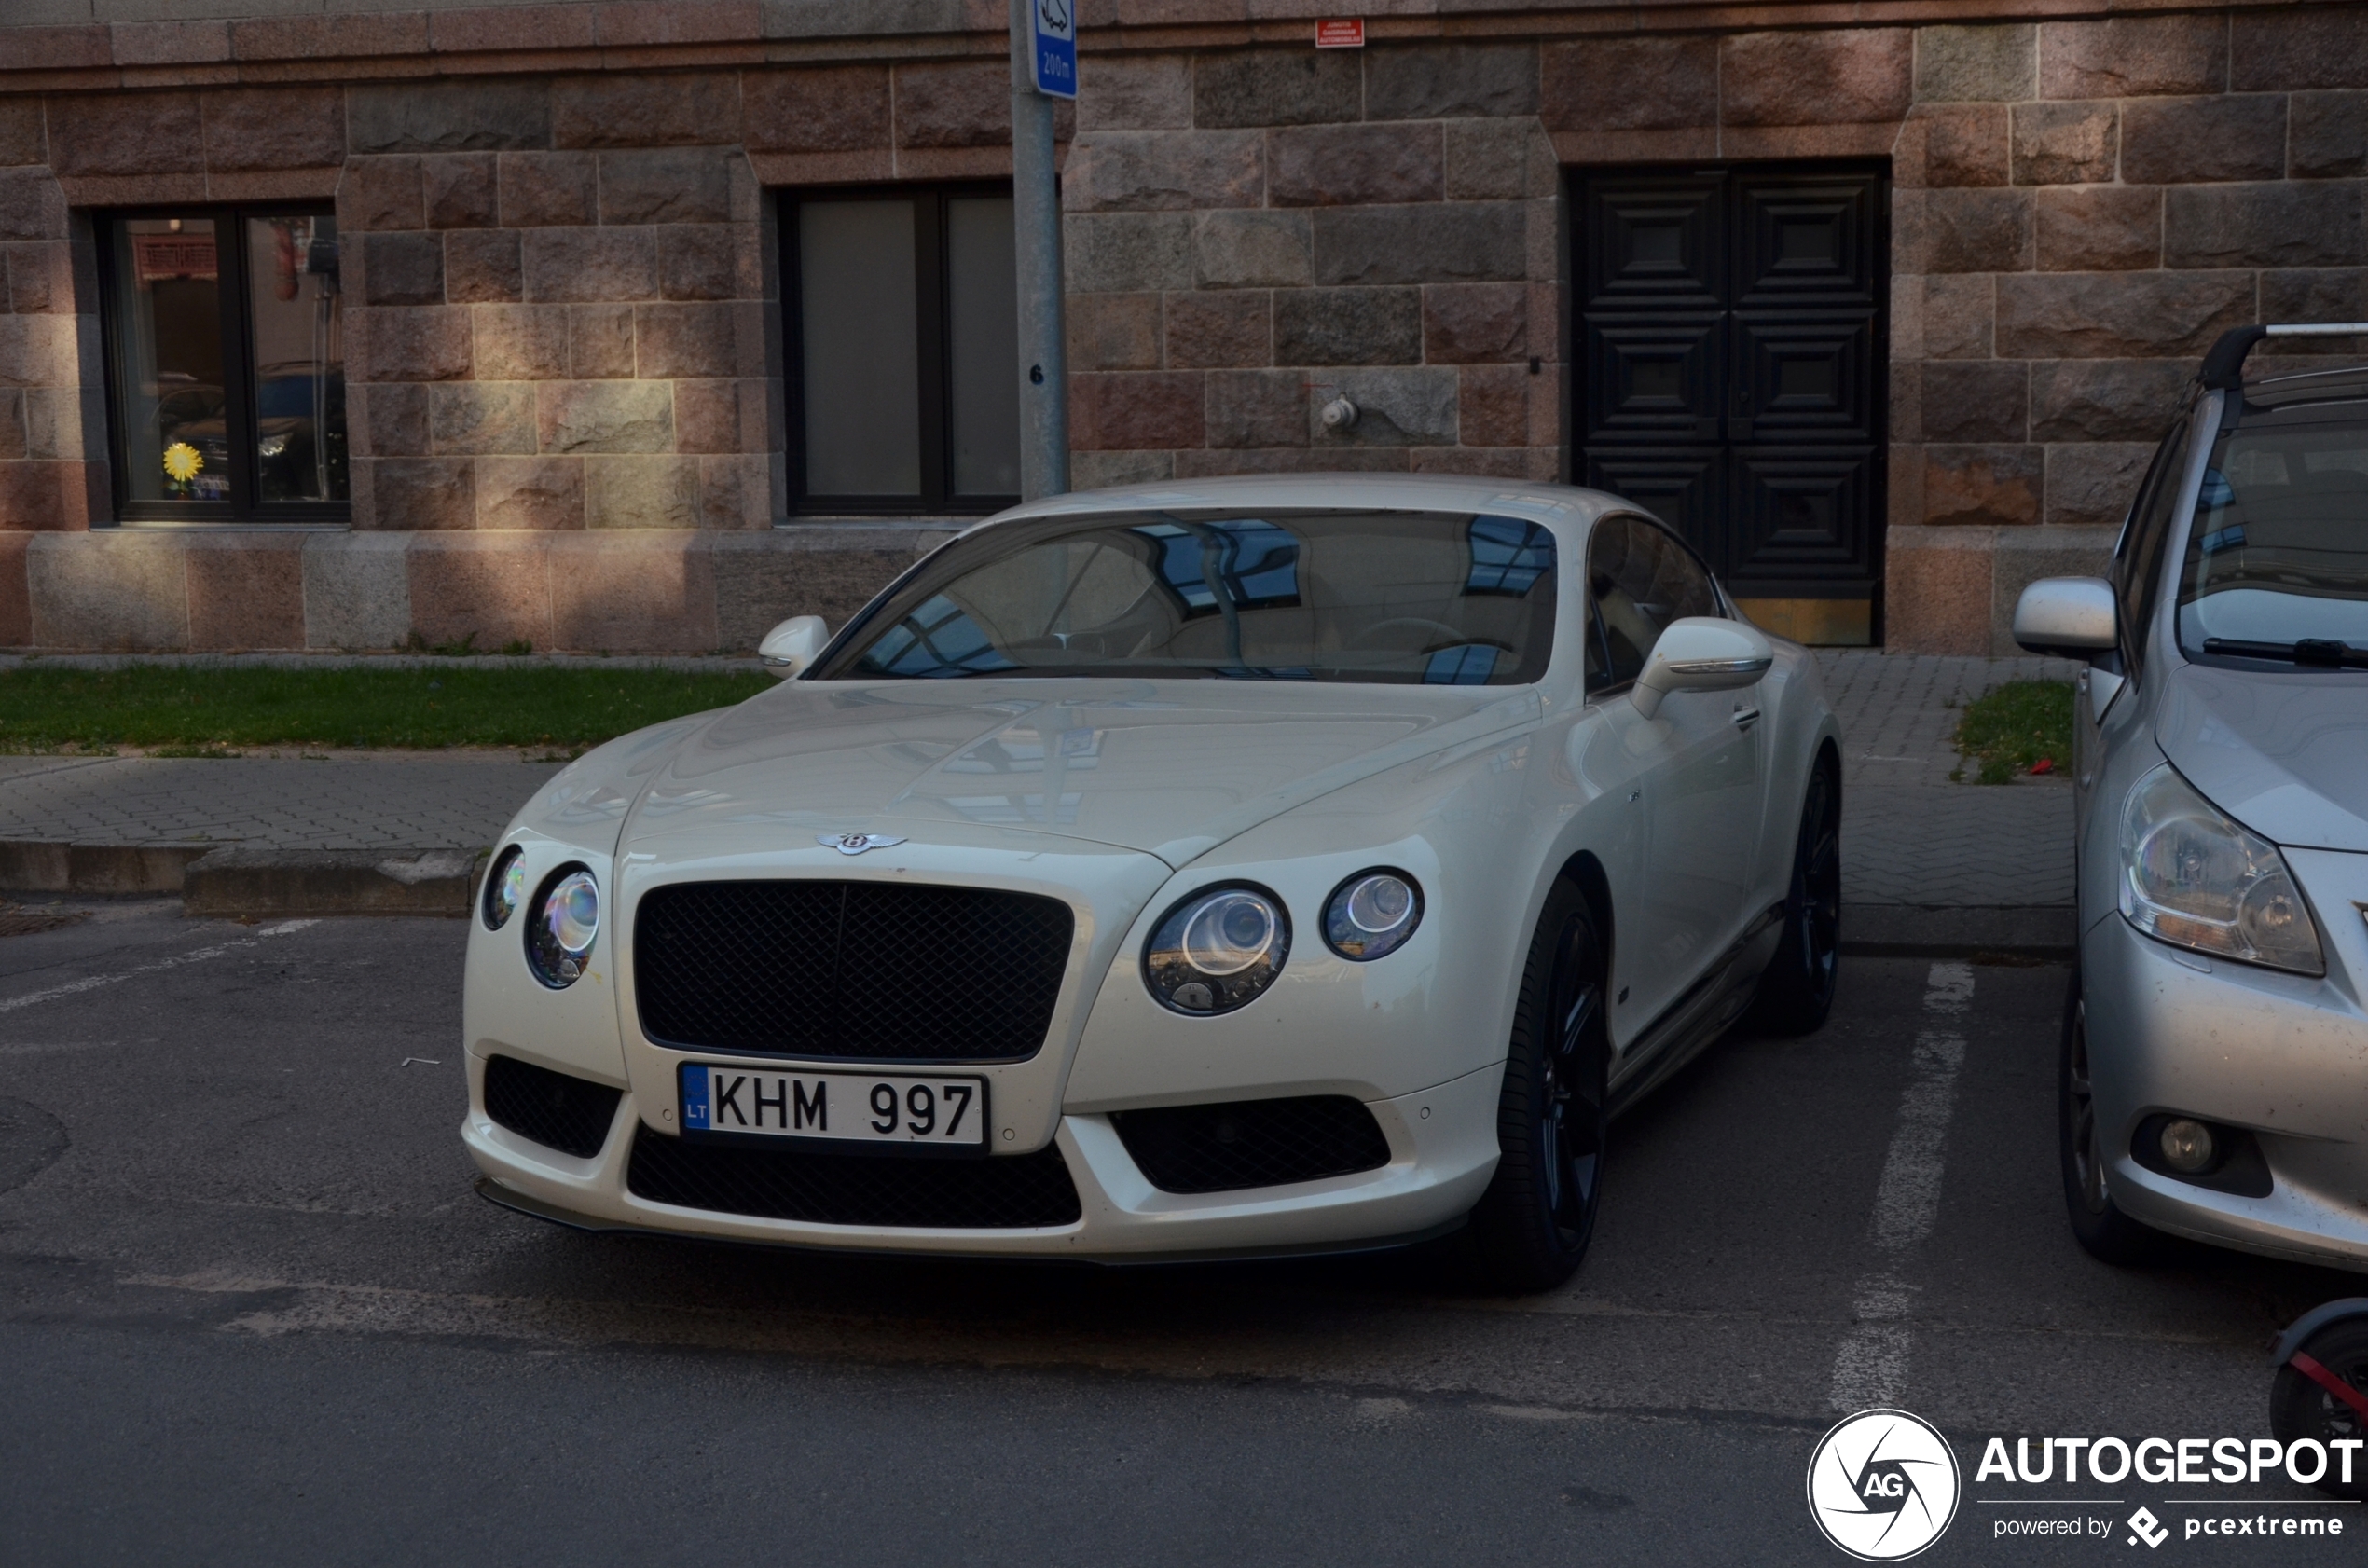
x,y
1700,1016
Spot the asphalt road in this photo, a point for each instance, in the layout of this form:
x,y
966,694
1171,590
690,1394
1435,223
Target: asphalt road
x,y
251,1313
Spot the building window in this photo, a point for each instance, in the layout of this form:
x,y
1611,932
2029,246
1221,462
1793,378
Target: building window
x,y
903,351
226,379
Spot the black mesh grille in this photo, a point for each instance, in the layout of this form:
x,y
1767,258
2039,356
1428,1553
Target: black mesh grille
x,y
1014,1193
1252,1143
862,969
553,1109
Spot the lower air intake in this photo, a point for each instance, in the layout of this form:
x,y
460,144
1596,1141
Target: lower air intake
x,y
1015,1192
1252,1143
555,1109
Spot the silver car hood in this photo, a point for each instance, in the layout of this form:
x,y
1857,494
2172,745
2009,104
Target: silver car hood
x,y
2284,752
1173,768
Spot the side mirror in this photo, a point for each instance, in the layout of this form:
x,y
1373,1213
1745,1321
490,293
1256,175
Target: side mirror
x,y
2073,616
1700,654
794,644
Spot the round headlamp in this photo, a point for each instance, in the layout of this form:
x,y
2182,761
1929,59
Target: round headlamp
x,y
504,887
1372,914
567,919
1217,950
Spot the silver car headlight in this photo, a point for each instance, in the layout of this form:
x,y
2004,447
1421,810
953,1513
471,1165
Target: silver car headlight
x,y
1217,950
1371,915
567,919
504,887
2193,877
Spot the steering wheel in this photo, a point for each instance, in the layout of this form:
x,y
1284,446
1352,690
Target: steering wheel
x,y
1424,622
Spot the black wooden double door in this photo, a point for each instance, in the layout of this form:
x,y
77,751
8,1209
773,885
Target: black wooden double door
x,y
1730,331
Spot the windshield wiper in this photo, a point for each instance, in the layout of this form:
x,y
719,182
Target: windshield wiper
x,y
2317,652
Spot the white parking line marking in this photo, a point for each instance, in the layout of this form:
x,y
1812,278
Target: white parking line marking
x,y
1871,1367
94,982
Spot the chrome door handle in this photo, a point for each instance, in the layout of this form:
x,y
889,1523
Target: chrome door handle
x,y
1746,717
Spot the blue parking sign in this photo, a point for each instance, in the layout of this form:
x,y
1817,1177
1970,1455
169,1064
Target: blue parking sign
x,y
1055,29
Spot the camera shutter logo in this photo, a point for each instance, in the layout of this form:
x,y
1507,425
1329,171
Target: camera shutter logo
x,y
1883,1485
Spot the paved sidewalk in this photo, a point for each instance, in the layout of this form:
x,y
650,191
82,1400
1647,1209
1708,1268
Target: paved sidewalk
x,y
1911,840
1909,836
346,801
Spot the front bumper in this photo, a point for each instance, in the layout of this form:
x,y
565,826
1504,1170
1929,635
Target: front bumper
x,y
1443,1151
2284,1056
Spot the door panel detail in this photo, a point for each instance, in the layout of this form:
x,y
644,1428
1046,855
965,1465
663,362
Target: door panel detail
x,y
1732,336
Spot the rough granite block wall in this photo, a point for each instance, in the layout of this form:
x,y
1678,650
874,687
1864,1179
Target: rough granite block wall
x,y
2083,207
564,324
1252,234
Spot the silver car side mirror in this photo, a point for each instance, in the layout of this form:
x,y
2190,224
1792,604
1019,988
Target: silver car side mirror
x,y
794,644
2073,616
1700,654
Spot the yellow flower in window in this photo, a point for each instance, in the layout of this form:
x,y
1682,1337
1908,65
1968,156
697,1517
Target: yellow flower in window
x,y
182,461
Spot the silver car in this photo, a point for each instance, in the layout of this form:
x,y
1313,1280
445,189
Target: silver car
x,y
2215,1074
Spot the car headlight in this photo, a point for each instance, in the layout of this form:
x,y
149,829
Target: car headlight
x,y
504,887
1372,914
2195,878
567,919
1217,950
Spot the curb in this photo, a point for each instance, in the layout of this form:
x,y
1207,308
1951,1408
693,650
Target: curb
x,y
271,882
1871,930
35,867
253,883
264,884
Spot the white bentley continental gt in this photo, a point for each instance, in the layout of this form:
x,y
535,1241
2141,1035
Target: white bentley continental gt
x,y
1239,867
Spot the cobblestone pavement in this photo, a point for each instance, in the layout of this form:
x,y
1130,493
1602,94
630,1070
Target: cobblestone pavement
x,y
342,803
1909,835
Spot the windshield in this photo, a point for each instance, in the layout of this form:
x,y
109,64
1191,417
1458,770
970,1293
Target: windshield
x,y
2279,553
1401,597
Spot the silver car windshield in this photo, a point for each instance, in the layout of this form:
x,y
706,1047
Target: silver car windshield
x,y
2279,552
1399,597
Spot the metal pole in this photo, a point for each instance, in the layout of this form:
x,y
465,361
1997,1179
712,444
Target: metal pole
x,y
1036,225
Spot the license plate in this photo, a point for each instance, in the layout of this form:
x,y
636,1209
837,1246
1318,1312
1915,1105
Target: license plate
x,y
854,1107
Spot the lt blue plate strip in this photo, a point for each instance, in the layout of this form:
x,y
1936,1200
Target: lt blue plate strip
x,y
693,1096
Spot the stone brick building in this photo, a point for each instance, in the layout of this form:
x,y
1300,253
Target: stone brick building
x,y
639,326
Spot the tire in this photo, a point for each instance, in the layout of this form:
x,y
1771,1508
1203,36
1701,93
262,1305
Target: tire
x,y
1532,1227
1796,991
2108,1235
2300,1408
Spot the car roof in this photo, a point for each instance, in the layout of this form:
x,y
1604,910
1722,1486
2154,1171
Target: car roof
x,y
1377,492
2333,384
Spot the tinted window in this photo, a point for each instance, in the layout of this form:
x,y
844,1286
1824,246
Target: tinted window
x,y
1403,598
1639,579
2279,549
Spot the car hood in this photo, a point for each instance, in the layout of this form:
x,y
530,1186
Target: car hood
x,y
2284,752
1172,769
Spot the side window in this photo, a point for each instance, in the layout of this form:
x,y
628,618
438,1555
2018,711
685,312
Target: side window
x,y
1639,579
2138,564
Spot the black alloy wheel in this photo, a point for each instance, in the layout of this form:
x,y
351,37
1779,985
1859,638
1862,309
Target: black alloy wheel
x,y
1797,990
2301,1407
2108,1235
1533,1225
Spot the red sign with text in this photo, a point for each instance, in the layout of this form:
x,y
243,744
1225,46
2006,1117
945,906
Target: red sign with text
x,y
1341,35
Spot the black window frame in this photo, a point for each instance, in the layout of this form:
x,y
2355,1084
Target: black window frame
x,y
933,283
2141,555
245,508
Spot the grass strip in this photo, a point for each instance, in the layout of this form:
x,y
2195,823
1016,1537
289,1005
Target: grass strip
x,y
2007,729
196,711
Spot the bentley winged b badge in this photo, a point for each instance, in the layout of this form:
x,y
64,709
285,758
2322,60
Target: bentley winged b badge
x,y
855,844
